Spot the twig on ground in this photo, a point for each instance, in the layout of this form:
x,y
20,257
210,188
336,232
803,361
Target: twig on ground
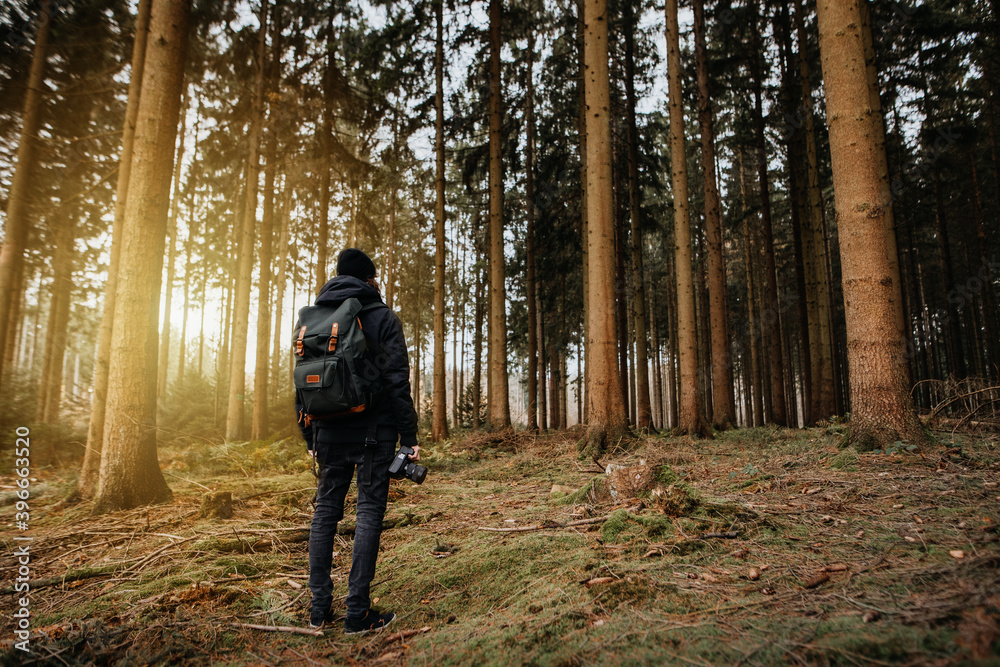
x,y
406,634
280,628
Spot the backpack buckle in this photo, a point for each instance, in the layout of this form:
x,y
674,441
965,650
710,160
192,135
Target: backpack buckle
x,y
333,337
299,348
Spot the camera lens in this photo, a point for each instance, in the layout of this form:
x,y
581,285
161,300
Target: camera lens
x,y
416,473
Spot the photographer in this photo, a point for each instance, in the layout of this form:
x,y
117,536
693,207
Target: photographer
x,y
365,442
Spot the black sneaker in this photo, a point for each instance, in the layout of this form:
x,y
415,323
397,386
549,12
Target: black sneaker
x,y
372,620
319,620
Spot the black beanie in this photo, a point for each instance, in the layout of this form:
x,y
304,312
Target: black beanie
x,y
353,262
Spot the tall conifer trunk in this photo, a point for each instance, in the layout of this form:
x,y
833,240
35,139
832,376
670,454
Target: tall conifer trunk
x,y
175,202
18,211
691,419
882,410
723,408
499,402
87,483
129,474
529,285
245,250
771,323
643,411
439,417
607,420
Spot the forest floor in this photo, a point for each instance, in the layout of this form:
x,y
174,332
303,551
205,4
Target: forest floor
x,y
790,551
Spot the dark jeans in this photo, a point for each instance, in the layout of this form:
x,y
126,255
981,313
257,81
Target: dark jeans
x,y
336,469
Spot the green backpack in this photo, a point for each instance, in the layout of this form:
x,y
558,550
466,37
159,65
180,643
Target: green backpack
x,y
328,348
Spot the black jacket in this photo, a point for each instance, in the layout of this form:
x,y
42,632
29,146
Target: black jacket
x,y
393,414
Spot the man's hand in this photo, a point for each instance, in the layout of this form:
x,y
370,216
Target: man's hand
x,y
415,456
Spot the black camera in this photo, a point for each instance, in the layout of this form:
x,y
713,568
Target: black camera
x,y
402,466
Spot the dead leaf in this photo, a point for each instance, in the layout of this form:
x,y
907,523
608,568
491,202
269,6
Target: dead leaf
x,y
815,489
386,657
712,579
653,552
753,574
835,567
910,538
294,584
897,507
957,553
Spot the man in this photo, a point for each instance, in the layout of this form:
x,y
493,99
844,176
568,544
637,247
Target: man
x,y
365,442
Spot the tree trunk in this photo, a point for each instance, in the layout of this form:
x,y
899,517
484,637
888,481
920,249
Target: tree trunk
x,y
885,189
607,421
643,411
245,250
56,331
771,322
882,410
529,259
326,131
130,475
262,366
163,364
499,402
581,124
439,417
18,209
817,286
723,408
477,346
86,485
691,421
280,331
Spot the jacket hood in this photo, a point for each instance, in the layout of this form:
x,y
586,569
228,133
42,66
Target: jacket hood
x,y
339,289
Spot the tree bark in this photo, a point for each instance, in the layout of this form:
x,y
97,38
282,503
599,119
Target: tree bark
x,y
643,409
280,331
130,475
499,402
529,286
235,429
882,410
817,286
18,209
771,322
723,408
262,366
691,420
607,421
87,483
439,416
163,364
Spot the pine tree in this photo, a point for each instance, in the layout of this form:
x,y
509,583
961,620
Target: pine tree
x,y
129,474
882,410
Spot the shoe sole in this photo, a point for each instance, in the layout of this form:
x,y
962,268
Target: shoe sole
x,y
367,630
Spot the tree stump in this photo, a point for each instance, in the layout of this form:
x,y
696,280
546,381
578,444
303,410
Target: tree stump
x,y
218,505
